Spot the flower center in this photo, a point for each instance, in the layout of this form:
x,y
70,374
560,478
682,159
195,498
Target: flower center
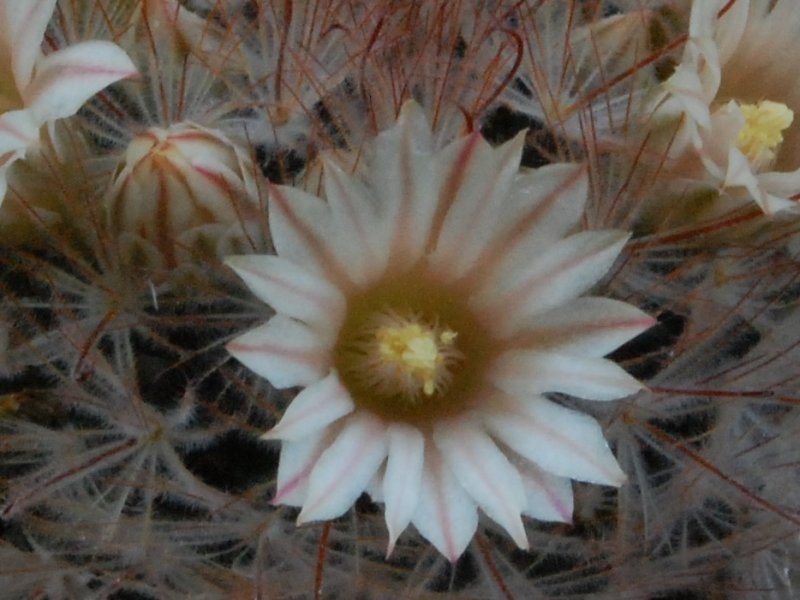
x,y
402,357
415,356
410,349
763,130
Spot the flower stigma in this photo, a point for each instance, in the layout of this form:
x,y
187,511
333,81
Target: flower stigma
x,y
763,130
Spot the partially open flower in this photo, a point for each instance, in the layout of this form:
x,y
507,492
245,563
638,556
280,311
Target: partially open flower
x,y
36,89
737,99
427,309
178,182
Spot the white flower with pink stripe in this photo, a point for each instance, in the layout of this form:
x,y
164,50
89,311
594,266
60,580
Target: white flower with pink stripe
x,y
427,309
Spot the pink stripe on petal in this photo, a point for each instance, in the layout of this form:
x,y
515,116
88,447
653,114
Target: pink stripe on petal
x,y
284,351
403,478
345,468
568,268
586,326
360,237
446,515
24,24
485,473
291,290
314,408
65,79
300,226
477,185
560,440
542,206
549,497
524,373
402,175
296,463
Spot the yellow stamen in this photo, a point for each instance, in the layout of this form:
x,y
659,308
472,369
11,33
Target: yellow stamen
x,y
415,352
763,130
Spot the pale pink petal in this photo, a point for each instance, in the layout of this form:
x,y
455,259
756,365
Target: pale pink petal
x,y
717,141
739,173
360,237
586,326
300,228
484,472
291,290
403,178
476,181
345,469
64,80
18,131
688,95
446,515
296,462
541,207
22,27
284,351
316,407
776,189
403,478
560,440
569,268
548,497
526,372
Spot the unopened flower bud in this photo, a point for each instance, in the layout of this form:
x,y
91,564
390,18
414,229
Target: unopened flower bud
x,y
177,180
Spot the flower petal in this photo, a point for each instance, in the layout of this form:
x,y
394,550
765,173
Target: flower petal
x,y
542,206
402,175
300,224
18,130
728,28
476,180
548,497
562,441
524,373
316,407
446,515
403,478
569,268
688,95
586,326
296,462
284,351
360,237
291,290
485,473
22,27
345,468
64,80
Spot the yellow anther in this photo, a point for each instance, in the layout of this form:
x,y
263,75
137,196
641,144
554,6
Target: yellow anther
x,y
448,337
763,130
